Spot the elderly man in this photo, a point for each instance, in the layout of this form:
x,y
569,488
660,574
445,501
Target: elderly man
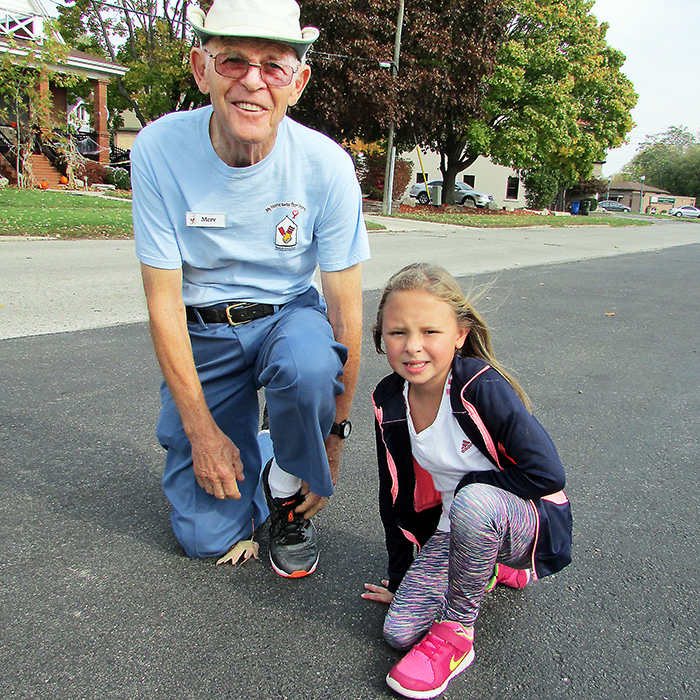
x,y
235,206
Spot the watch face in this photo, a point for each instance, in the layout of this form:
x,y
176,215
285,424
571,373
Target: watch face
x,y
343,429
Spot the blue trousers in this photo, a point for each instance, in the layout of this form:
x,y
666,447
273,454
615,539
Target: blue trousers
x,y
291,353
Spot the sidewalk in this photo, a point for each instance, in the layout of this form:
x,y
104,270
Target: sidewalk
x,y
468,251
49,286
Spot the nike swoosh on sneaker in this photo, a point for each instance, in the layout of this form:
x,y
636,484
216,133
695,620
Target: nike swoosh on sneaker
x,y
456,661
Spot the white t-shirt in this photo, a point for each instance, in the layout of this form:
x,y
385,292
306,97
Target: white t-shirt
x,y
445,452
255,233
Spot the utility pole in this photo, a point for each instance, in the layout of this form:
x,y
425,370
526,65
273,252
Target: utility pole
x,y
389,169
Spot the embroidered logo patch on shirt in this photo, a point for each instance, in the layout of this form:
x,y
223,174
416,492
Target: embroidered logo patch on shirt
x,y
466,444
286,232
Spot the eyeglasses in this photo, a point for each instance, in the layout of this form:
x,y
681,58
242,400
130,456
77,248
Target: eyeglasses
x,y
273,74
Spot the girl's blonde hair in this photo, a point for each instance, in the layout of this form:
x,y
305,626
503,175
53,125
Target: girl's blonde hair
x,y
437,281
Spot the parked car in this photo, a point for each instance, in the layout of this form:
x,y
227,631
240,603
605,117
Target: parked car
x,y
686,212
463,193
611,205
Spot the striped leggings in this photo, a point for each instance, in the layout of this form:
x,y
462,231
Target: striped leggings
x,y
450,574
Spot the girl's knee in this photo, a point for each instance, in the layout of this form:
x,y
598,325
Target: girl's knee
x,y
475,511
400,636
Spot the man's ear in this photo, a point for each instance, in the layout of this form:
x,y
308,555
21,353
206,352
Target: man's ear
x,y
301,78
198,65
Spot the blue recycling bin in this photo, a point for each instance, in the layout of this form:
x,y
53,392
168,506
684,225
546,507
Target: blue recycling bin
x,y
575,206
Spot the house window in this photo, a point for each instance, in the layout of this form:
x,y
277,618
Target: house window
x,y
468,180
420,177
513,187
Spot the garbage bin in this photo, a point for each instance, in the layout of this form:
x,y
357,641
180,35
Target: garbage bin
x,y
435,194
585,207
575,207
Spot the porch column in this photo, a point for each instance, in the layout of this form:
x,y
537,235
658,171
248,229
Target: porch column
x,y
42,118
100,110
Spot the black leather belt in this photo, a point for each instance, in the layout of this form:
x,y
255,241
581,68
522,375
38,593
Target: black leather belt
x,y
234,314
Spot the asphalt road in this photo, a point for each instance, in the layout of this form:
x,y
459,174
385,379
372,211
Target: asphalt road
x,y
98,601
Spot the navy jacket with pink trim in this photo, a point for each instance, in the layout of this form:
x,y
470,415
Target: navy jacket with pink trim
x,y
496,421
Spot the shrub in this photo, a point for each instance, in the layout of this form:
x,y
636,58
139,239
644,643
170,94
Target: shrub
x,y
97,174
373,180
122,181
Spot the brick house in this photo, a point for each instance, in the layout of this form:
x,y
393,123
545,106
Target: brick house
x,y
24,21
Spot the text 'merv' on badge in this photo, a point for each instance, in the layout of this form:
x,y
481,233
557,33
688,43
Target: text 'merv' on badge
x,y
214,220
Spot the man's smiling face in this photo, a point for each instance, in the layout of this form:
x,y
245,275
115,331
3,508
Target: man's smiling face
x,y
247,112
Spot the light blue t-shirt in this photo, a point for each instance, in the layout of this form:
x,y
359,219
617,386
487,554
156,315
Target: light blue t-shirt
x,y
252,234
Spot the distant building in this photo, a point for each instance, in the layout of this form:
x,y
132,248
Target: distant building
x,y
125,135
502,183
652,199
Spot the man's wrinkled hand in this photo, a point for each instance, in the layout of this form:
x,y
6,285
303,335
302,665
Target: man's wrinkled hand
x,y
217,466
312,503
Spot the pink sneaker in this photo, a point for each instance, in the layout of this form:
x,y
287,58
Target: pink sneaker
x,y
513,578
427,669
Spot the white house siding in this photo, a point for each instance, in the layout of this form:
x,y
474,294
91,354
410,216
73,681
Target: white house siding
x,y
23,7
29,14
125,137
488,177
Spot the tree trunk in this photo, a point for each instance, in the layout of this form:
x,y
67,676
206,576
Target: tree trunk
x,y
453,160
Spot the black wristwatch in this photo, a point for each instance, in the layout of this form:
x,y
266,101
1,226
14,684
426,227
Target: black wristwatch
x,y
342,429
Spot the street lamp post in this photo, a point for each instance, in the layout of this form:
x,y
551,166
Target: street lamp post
x,y
641,198
389,170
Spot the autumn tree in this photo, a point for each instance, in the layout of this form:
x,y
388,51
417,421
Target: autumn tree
x,y
528,83
556,100
448,47
151,38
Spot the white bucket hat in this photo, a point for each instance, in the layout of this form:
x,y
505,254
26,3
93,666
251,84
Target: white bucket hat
x,y
275,20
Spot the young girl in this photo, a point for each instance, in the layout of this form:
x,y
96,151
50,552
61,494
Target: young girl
x,y
466,474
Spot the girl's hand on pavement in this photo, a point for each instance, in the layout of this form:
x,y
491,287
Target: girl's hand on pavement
x,y
380,594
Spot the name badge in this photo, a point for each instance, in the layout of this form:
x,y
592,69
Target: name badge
x,y
193,218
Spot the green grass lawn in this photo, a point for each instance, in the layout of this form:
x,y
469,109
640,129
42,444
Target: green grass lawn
x,y
53,214
521,220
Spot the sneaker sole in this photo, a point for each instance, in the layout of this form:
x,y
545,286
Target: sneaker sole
x,y
433,692
294,574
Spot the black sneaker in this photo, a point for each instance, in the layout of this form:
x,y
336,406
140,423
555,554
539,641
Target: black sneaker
x,y
293,540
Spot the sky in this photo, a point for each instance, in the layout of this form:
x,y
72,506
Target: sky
x,y
661,40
